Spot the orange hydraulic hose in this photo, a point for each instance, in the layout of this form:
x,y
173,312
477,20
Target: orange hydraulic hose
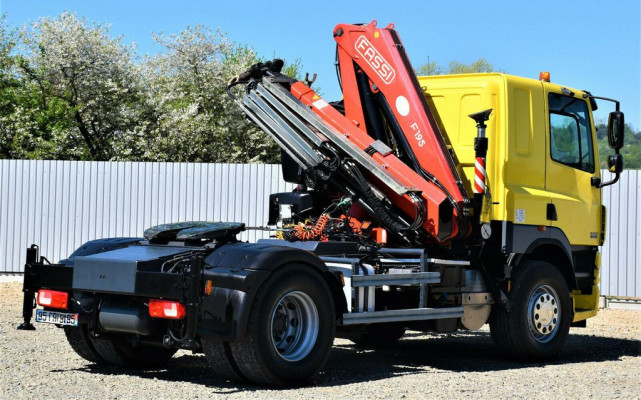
x,y
303,233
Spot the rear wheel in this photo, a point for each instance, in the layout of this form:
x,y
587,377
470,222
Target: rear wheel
x,y
218,354
537,325
290,330
78,338
119,351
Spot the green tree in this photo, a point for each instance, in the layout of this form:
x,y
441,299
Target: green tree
x,y
430,68
195,118
79,90
8,86
456,67
631,149
189,116
69,90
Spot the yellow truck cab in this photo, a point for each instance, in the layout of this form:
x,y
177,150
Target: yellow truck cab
x,y
543,180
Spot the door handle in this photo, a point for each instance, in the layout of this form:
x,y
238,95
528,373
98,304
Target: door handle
x,y
551,212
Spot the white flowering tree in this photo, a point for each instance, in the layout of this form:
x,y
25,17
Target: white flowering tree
x,y
83,85
195,120
8,86
72,91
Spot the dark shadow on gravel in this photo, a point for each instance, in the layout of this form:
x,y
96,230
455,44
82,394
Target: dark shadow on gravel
x,y
183,368
417,353
463,352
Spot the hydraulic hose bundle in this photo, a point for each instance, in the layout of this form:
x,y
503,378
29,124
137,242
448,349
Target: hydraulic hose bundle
x,y
303,233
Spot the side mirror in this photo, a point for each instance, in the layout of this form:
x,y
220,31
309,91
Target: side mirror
x,y
615,163
616,125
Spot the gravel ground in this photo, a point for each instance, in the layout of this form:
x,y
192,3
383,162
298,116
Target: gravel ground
x,y
601,361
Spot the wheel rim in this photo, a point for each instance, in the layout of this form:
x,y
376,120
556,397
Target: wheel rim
x,y
294,326
544,313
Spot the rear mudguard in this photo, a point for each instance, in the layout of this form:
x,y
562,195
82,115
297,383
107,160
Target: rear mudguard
x,y
237,271
100,246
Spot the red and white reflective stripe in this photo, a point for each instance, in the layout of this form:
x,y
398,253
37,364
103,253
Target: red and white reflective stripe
x,y
479,175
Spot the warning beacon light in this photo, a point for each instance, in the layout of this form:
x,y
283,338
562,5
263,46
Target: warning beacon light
x,y
544,76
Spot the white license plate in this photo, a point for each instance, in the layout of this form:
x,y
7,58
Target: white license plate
x,y
58,318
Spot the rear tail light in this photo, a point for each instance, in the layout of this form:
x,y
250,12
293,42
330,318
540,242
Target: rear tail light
x,y
166,309
53,299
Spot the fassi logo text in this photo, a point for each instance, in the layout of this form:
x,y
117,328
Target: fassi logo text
x,y
375,59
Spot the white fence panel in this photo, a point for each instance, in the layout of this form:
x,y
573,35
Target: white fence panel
x,y
620,273
61,204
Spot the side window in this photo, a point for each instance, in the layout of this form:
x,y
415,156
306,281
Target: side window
x,y
570,132
564,139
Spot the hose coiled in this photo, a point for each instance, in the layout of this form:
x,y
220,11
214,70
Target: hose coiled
x,y
303,233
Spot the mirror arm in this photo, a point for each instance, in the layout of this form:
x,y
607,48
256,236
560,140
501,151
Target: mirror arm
x,y
607,99
612,182
616,151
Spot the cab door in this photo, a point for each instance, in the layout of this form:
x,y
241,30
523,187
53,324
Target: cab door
x,y
571,163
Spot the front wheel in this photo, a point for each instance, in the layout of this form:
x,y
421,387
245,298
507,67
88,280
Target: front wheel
x,y
290,330
537,324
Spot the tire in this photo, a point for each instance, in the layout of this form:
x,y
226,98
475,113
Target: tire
x,y
378,335
218,354
291,329
78,338
537,324
118,351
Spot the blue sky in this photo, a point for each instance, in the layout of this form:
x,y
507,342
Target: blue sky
x,y
589,44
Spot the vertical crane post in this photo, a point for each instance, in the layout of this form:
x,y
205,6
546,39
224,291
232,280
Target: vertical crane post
x,y
480,150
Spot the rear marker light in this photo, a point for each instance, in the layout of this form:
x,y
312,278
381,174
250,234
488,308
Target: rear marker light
x,y
166,309
53,299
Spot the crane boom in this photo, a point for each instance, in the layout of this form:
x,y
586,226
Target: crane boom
x,y
378,150
390,83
